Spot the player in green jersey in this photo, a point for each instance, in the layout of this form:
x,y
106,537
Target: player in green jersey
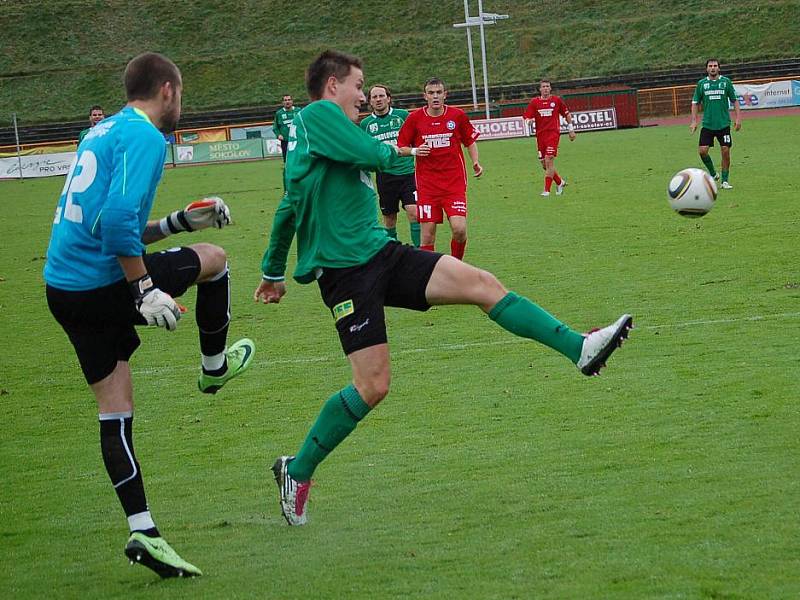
x,y
96,115
360,270
282,122
396,186
714,92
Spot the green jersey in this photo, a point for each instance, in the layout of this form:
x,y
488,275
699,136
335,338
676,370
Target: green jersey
x,y
330,198
283,119
83,133
714,95
385,128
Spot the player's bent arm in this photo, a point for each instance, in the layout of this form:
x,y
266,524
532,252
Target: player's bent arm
x,y
423,150
152,233
737,115
138,160
693,122
472,150
570,125
330,134
156,307
273,263
269,292
133,267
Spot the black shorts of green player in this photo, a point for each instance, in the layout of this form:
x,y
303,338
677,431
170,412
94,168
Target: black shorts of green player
x,y
395,191
101,322
396,276
707,137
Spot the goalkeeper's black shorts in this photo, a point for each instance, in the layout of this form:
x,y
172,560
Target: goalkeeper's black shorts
x,y
100,322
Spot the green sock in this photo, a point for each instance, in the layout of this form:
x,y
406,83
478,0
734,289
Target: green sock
x,y
338,418
415,229
725,175
522,317
392,231
709,164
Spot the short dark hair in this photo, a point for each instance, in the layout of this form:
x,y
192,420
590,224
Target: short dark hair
x,y
710,60
146,73
286,96
434,81
541,81
330,63
380,85
94,108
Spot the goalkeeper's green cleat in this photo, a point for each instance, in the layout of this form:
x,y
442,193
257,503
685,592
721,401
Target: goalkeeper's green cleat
x,y
156,554
238,356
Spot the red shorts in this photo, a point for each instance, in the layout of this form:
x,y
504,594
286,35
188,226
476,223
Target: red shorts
x,y
430,209
548,145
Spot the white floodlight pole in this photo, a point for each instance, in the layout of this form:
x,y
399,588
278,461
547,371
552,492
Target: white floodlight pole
x,y
480,21
471,62
19,155
483,58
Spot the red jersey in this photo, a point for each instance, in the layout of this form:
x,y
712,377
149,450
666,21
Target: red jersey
x,y
442,172
545,114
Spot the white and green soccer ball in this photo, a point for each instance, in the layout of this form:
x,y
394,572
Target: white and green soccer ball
x,y
691,193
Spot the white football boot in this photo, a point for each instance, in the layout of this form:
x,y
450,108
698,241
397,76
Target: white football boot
x,y
598,345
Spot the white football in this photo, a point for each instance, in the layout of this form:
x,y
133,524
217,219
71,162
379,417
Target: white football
x,y
692,193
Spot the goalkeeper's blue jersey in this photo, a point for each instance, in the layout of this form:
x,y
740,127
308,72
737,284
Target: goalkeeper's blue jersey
x,y
105,203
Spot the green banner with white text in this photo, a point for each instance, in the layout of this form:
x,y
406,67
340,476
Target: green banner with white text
x,y
207,152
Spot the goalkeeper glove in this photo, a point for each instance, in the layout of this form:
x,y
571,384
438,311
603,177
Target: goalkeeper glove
x,y
208,212
157,307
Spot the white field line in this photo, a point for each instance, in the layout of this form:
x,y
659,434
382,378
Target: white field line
x,y
299,360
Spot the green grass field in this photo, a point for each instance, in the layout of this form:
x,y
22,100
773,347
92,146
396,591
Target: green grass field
x,y
493,469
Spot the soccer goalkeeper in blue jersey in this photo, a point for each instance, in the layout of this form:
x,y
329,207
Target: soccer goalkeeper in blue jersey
x,y
100,282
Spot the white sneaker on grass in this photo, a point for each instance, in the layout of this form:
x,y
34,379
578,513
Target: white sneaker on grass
x,y
560,187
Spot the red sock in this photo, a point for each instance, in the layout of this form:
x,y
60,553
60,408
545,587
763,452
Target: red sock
x,y
557,178
548,183
457,248
428,248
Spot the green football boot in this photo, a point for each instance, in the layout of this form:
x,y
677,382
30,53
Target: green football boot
x,y
238,356
156,554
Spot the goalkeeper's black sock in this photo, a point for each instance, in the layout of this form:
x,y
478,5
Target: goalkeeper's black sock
x,y
116,442
213,315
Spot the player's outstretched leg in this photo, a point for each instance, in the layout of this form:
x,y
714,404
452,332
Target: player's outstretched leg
x,y
455,282
589,352
293,494
156,554
237,358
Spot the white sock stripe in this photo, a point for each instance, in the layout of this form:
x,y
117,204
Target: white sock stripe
x,y
114,416
212,363
221,274
141,521
128,452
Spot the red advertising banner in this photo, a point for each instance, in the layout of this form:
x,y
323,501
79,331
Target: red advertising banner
x,y
512,127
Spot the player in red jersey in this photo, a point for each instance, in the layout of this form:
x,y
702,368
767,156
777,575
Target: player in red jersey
x,y
435,134
546,110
